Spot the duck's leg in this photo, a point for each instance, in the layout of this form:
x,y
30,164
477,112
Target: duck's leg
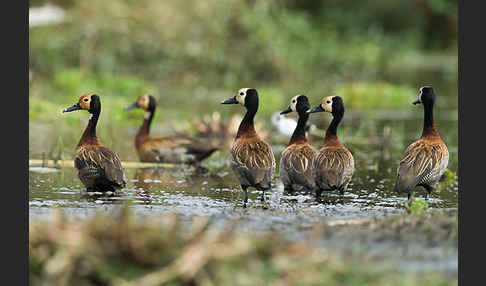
x,y
341,192
318,195
429,189
262,199
341,195
245,198
288,190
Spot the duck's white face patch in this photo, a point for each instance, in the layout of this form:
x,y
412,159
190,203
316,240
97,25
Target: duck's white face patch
x,y
293,103
240,95
326,103
420,95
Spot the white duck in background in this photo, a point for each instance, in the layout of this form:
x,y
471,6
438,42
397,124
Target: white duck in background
x,y
286,126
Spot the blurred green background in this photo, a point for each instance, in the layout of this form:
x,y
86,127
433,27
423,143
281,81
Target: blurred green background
x,y
192,54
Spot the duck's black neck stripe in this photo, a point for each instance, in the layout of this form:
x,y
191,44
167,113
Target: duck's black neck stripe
x,y
428,115
299,132
247,128
429,128
89,134
93,121
336,119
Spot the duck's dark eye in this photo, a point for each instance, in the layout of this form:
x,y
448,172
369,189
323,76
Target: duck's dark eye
x,y
328,101
86,99
241,93
293,101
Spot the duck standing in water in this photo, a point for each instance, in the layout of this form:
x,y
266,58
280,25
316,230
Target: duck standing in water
x,y
296,162
99,168
177,149
333,167
252,159
426,159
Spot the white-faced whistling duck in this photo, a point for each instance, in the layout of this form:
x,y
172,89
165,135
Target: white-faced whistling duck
x,y
252,159
296,162
426,159
333,167
177,149
99,168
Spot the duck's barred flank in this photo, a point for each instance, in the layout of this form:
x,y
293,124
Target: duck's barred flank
x,y
424,156
100,160
333,167
424,163
298,158
253,154
296,168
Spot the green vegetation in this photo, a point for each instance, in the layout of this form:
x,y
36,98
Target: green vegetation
x,y
416,206
379,49
129,250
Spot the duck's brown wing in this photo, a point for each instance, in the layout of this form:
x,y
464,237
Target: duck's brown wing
x,y
104,162
423,163
296,165
333,167
253,162
178,149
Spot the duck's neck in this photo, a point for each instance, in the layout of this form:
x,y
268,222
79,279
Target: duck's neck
x,y
247,128
89,134
299,133
143,132
331,132
429,128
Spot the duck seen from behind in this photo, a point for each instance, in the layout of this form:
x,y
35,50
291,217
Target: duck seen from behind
x,y
99,168
333,167
296,161
177,149
426,159
252,159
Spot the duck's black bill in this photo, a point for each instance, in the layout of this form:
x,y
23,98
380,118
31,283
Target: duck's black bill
x,y
231,100
288,110
316,109
72,108
416,102
133,106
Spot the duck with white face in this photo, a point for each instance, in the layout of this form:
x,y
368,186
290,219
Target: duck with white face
x,y
175,149
296,161
333,167
252,159
99,168
426,159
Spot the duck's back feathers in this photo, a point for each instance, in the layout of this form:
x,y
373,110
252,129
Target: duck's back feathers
x,y
178,148
253,162
333,167
424,163
99,168
296,166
